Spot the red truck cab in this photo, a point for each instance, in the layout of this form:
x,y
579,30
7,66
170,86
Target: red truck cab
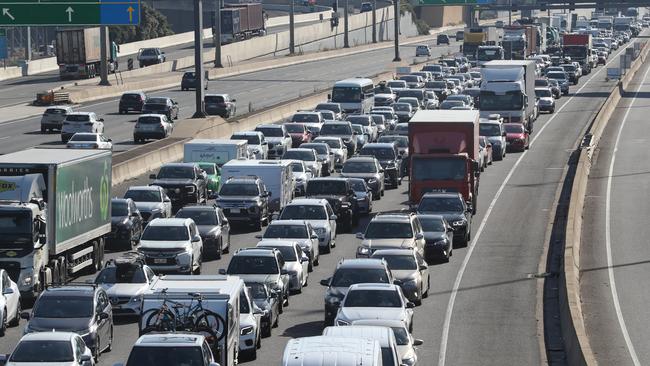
x,y
443,153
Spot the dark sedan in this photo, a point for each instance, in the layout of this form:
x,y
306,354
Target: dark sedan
x,y
126,223
438,236
213,226
267,300
453,208
161,105
190,81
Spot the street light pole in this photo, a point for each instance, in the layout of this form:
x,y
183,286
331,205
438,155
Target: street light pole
x,y
103,63
216,34
198,58
346,43
396,24
374,21
292,44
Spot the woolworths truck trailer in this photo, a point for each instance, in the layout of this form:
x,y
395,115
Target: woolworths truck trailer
x,y
54,214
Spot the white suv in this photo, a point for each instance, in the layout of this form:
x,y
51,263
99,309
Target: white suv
x,y
392,231
299,231
319,214
172,245
152,126
171,348
81,122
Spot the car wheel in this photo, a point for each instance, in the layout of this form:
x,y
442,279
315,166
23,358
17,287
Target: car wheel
x,y
198,264
219,249
3,323
43,130
425,294
96,351
310,267
109,347
227,250
16,320
327,249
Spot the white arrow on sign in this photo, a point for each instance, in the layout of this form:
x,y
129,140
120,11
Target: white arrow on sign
x,y
5,12
69,10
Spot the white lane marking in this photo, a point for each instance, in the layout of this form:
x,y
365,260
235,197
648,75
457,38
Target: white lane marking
x,y
4,137
608,233
459,276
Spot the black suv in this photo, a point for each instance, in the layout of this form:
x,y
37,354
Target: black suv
x,y
213,226
161,105
126,223
453,208
389,158
245,199
183,182
132,101
189,81
82,309
339,194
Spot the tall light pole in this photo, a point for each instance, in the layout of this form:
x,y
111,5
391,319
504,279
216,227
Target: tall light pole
x,y
198,58
292,40
374,21
103,53
216,34
346,43
396,21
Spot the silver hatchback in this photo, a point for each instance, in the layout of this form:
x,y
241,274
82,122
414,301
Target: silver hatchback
x,y
53,118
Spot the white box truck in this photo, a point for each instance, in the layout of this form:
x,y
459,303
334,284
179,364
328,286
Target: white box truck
x,y
214,151
217,295
508,88
277,176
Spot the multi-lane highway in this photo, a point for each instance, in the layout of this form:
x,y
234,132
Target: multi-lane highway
x,y
484,304
257,89
615,255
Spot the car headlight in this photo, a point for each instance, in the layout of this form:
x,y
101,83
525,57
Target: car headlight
x,y
246,330
459,223
320,230
409,361
190,189
136,299
333,300
340,322
26,277
372,180
440,242
363,250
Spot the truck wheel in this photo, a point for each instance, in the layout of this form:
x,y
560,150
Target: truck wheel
x,y
63,269
56,273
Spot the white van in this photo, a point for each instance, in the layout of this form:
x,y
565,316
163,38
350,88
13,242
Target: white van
x,y
356,95
214,151
383,335
328,351
219,294
277,176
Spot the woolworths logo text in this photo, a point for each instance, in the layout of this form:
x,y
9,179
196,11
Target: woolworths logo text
x,y
75,206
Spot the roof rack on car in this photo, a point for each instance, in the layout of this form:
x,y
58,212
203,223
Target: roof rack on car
x,y
72,283
131,257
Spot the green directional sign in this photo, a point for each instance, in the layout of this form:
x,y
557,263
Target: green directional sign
x,y
69,12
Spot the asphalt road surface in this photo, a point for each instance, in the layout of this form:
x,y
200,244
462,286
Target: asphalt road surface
x,y
615,253
257,90
23,90
483,304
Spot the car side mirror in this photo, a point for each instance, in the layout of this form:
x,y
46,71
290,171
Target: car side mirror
x,y
470,208
410,305
304,258
110,140
284,272
258,236
152,176
419,236
334,217
101,120
450,229
360,236
233,100
167,199
397,282
325,282
8,291
418,342
102,316
196,239
222,271
422,267
25,315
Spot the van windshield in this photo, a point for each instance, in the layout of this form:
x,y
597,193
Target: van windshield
x,y
165,356
252,139
270,131
335,129
243,264
166,233
373,298
286,231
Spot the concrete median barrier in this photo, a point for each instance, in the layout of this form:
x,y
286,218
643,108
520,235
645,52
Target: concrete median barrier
x,y
576,341
39,66
11,72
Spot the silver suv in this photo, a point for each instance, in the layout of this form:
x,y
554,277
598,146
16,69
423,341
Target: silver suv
x,y
392,231
152,126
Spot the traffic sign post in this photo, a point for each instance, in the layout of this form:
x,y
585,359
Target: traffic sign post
x,y
69,12
3,45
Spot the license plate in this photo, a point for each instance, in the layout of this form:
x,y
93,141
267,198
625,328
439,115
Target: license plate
x,y
235,210
160,260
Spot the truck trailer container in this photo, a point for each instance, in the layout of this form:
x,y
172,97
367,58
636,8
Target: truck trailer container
x,y
443,153
55,213
578,47
241,21
78,53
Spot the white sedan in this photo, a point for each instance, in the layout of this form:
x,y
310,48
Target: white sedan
x,y
9,302
50,348
89,140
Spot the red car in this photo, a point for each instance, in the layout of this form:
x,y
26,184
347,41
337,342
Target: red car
x,y
517,137
299,133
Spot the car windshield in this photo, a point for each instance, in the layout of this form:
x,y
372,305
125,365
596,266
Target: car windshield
x,y
358,129
294,128
346,277
257,290
270,131
288,252
386,114
62,307
303,212
358,185
510,101
514,128
189,75
243,264
335,187
305,117
440,204
320,149
82,137
329,106
166,356
208,168
55,111
449,104
77,118
143,195
216,99
359,120
359,167
541,82
344,94
162,101
43,351
123,273
388,230
372,299
399,262
556,75
396,84
546,93
432,224
552,82
165,233
252,139
432,68
475,75
409,78
402,107
435,85
286,231
200,217
334,144
176,172
304,155
148,52
149,120
400,140
488,129
239,189
401,336
569,68
119,209
297,168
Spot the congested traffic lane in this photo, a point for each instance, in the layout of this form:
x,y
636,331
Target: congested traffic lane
x,y
493,296
259,89
23,90
614,253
